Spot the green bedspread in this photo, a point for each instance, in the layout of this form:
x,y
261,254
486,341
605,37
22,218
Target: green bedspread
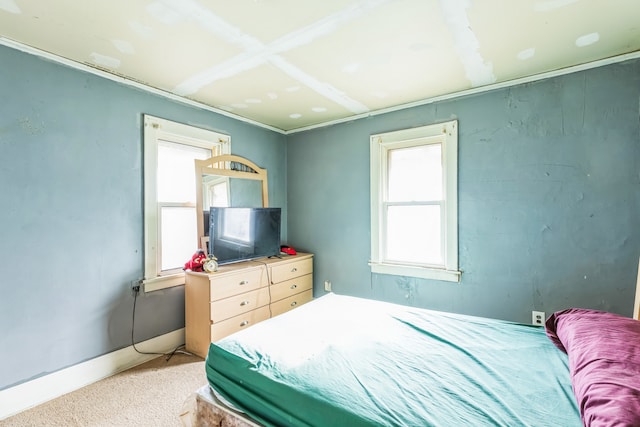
x,y
344,361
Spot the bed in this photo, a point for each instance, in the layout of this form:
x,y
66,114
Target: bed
x,y
345,361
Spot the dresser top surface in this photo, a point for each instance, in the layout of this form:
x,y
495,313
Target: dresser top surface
x,y
253,264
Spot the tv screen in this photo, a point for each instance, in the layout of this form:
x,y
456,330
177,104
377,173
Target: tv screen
x,y
239,234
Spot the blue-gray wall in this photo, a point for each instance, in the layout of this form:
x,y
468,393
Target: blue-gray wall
x,y
71,218
549,204
549,198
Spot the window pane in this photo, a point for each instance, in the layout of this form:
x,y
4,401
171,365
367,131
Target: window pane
x,y
219,195
413,234
178,236
176,171
415,173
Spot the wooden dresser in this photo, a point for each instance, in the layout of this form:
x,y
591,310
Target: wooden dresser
x,y
243,294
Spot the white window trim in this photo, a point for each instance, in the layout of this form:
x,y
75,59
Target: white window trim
x,y
379,144
156,129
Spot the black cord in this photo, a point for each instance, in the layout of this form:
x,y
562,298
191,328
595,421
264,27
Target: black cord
x,y
266,267
168,356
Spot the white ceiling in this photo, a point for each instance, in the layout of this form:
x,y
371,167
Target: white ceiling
x,y
292,64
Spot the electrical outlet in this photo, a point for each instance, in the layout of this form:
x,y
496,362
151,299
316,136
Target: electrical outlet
x,y
135,285
538,318
327,285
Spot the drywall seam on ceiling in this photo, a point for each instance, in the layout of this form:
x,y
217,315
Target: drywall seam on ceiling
x,y
10,6
322,88
325,26
119,79
257,53
478,71
487,88
243,62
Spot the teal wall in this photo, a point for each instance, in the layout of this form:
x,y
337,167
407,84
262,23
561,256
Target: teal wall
x,y
71,222
548,204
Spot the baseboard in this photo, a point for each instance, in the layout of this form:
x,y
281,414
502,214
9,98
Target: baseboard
x,y
27,395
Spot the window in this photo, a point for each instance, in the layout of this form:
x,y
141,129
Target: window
x,y
216,191
414,191
170,237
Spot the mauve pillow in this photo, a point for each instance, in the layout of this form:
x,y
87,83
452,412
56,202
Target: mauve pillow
x,y
604,363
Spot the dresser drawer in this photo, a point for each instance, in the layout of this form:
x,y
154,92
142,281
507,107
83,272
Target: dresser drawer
x,y
227,327
291,302
290,270
291,287
238,304
237,283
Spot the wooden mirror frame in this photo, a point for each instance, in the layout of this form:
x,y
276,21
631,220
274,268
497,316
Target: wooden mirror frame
x,y
233,167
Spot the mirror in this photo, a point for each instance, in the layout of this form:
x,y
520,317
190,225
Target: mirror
x,y
234,192
227,180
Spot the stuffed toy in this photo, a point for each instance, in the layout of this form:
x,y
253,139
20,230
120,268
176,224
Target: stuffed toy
x,y
196,261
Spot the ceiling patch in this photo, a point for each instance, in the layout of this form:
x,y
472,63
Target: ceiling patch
x,y
587,39
351,68
318,109
123,46
142,30
272,95
526,54
478,71
379,94
104,60
295,115
545,6
10,6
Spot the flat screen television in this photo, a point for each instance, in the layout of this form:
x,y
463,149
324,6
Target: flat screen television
x,y
240,234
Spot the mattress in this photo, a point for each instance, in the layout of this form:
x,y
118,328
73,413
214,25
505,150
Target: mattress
x,y
345,361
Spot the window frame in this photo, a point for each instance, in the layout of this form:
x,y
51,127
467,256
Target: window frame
x,y
380,144
208,187
156,130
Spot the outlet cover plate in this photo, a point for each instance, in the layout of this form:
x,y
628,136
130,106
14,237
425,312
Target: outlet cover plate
x,y
538,318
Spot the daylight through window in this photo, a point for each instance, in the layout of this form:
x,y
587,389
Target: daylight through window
x,y
170,200
414,202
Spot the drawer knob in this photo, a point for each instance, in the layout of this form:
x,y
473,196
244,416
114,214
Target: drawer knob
x,y
293,270
244,303
293,304
293,286
244,282
244,323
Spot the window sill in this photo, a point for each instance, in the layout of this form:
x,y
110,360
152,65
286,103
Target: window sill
x,y
163,282
420,272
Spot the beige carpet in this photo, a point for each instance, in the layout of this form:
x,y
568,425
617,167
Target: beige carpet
x,y
151,394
